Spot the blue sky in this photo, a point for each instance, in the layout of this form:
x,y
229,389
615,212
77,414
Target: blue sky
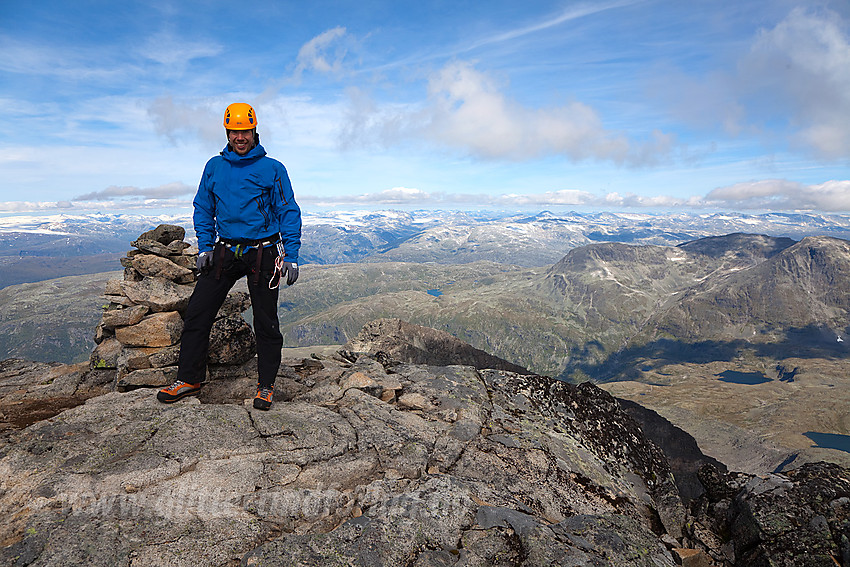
x,y
623,104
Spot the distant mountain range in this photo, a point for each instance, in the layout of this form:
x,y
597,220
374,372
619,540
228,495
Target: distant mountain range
x,y
35,248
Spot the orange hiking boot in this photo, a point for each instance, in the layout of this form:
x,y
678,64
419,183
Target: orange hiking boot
x,y
263,400
177,391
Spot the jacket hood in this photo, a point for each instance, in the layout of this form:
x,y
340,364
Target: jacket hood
x,y
256,152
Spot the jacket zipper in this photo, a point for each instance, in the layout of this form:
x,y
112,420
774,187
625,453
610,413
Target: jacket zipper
x,y
262,208
279,184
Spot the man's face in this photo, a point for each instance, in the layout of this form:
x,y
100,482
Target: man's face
x,y
242,141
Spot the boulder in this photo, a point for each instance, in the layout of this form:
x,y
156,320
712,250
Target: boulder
x,y
156,330
136,358
231,341
184,261
166,356
164,234
147,378
130,274
178,247
150,265
119,300
158,293
122,317
151,247
106,353
113,287
362,382
236,303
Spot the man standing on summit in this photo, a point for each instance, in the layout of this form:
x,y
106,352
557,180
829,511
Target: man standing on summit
x,y
248,224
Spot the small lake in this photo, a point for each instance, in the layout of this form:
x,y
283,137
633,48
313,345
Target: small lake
x,y
746,378
434,292
830,440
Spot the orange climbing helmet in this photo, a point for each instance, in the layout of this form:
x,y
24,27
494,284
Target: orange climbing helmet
x,y
240,116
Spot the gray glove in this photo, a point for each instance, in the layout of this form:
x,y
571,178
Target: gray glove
x,y
205,261
290,271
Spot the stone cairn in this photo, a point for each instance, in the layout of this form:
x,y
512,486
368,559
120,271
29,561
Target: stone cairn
x,y
139,334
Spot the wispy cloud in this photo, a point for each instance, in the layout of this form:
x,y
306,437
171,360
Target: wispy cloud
x,y
145,206
175,51
171,118
792,82
467,110
162,192
81,64
568,14
324,53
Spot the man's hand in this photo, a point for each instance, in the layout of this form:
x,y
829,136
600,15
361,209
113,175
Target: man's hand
x,y
205,261
290,271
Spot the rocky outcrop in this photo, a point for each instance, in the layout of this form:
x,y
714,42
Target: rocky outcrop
x,y
357,463
801,517
390,339
31,391
140,330
373,460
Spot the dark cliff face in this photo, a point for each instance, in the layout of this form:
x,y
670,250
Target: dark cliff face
x,y
680,449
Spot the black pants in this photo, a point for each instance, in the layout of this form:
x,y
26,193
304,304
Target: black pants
x,y
210,292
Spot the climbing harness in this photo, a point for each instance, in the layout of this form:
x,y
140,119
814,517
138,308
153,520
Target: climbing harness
x,y
239,249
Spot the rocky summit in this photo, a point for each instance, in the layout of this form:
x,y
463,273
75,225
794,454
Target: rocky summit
x,y
357,463
368,459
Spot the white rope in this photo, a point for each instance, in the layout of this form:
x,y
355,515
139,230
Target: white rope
x,y
278,272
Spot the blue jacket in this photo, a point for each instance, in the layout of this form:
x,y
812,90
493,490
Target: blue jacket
x,y
246,198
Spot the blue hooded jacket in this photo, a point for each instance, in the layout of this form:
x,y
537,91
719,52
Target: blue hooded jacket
x,y
245,198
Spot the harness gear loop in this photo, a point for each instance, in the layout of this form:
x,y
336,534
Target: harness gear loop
x,y
278,272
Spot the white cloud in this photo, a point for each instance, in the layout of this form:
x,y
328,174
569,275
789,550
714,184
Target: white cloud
x,y
32,206
173,119
466,109
401,195
792,84
768,194
781,194
318,55
162,192
804,64
562,197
